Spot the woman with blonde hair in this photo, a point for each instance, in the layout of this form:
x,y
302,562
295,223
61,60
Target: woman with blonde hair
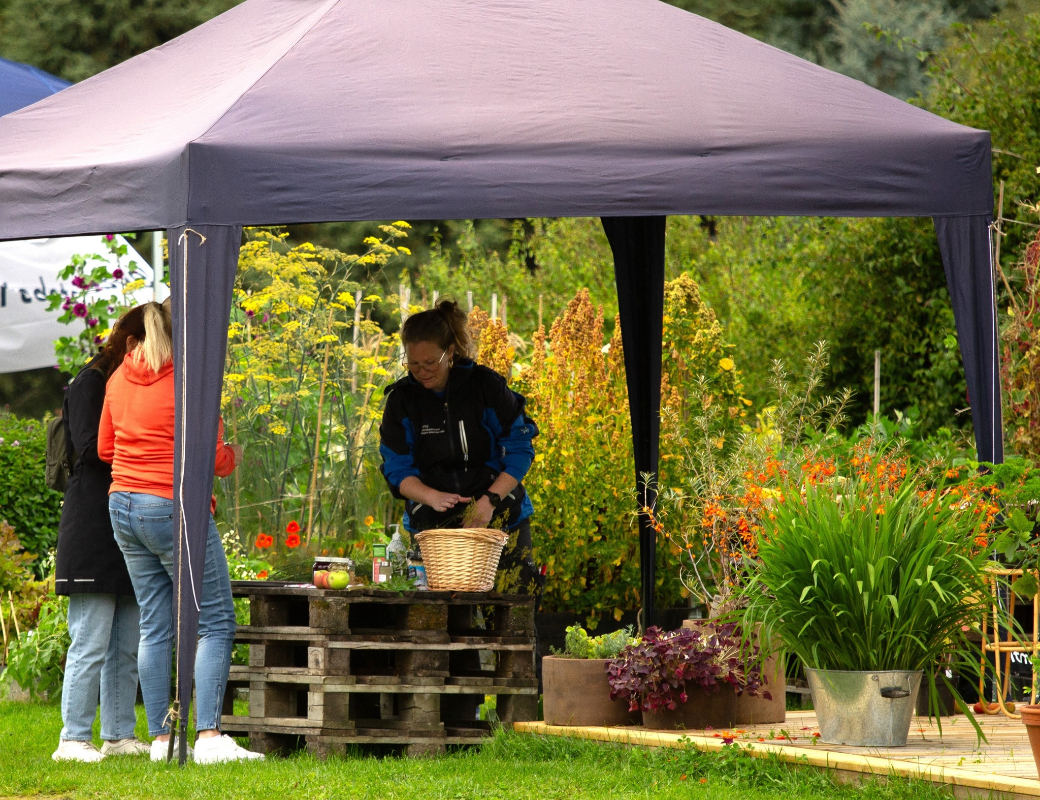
x,y
136,437
453,433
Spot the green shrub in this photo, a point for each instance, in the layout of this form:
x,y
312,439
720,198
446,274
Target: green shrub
x,y
36,659
578,643
582,479
15,563
28,504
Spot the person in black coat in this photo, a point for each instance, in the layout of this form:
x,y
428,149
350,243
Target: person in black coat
x,y
103,615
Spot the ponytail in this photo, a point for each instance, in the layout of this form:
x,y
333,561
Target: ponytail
x,y
445,325
157,346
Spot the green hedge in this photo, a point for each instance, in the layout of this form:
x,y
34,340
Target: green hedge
x,y
25,500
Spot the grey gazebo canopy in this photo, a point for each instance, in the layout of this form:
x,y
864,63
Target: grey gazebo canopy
x,y
284,111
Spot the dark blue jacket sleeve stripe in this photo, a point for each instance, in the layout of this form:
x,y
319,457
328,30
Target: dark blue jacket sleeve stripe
x,y
515,450
398,461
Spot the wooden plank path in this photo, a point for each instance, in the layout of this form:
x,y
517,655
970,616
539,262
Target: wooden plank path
x,y
1002,766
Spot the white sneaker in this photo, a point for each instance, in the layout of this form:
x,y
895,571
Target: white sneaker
x,y
159,750
222,748
69,750
125,747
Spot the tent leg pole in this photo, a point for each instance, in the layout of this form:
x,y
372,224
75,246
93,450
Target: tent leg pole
x,y
182,746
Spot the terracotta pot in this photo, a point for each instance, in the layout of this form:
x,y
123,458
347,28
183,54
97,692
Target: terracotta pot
x,y
757,710
575,692
1031,719
701,710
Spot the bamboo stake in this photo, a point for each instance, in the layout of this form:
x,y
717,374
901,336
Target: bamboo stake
x,y
1000,222
996,250
403,294
317,440
494,305
357,338
238,468
14,614
539,311
436,295
3,627
469,302
504,301
877,384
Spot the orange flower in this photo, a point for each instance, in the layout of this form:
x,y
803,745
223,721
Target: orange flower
x,y
263,541
292,540
262,575
369,519
292,527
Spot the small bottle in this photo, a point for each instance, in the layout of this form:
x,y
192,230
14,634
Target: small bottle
x,y
396,552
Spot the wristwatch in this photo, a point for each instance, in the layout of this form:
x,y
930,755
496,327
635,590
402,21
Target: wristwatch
x,y
496,500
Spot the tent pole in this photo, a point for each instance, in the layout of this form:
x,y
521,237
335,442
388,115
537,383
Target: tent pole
x,y
638,247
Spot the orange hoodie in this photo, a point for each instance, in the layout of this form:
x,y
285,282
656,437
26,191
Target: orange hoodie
x,y
136,433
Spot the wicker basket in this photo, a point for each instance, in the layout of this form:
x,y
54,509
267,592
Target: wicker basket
x,y
461,559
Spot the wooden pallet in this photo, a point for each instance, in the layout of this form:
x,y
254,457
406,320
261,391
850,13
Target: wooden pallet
x,y
335,671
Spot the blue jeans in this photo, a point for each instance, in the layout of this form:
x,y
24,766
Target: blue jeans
x,y
144,530
102,663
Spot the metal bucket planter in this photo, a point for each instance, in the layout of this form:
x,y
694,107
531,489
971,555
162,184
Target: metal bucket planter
x,y
865,709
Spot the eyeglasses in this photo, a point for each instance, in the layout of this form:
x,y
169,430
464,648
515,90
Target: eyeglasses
x,y
423,366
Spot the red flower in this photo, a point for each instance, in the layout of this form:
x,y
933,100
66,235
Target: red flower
x,y
262,575
292,540
263,541
293,527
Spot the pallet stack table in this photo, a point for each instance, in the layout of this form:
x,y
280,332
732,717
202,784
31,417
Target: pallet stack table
x,y
336,671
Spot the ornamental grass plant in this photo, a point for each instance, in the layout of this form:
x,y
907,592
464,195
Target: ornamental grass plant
x,y
872,572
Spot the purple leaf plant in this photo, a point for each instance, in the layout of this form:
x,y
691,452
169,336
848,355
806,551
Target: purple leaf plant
x,y
653,672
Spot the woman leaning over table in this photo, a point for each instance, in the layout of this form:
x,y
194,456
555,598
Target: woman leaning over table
x,y
454,433
136,437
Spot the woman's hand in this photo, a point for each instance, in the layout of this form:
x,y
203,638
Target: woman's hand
x,y
481,514
444,501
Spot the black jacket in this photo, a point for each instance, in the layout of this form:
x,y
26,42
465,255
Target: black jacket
x,y
458,442
89,561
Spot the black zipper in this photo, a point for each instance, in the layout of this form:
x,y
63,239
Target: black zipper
x,y
451,440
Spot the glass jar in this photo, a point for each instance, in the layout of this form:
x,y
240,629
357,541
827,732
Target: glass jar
x,y
325,567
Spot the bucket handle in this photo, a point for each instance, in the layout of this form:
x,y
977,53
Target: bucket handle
x,y
893,692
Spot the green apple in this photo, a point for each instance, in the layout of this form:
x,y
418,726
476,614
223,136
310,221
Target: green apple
x,y
337,580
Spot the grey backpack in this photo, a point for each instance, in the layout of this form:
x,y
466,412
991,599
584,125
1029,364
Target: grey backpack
x,y
60,454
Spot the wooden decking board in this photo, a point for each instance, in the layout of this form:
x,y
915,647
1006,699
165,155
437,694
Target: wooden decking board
x,y
1002,764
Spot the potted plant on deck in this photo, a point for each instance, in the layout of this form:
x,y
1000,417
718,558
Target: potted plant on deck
x,y
717,550
574,682
873,580
686,679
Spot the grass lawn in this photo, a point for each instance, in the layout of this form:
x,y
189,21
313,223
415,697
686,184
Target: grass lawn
x,y
508,766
